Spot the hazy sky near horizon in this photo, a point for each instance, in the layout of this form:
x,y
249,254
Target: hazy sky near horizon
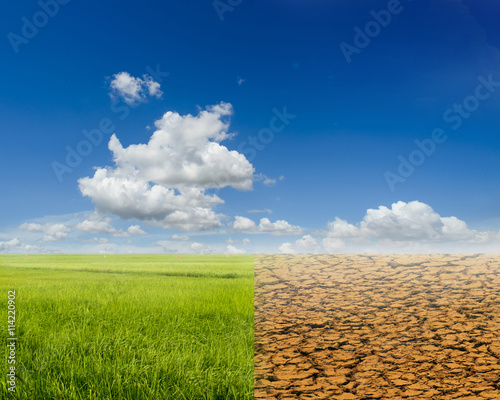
x,y
239,126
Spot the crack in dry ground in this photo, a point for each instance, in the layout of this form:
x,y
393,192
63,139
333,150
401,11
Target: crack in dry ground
x,y
377,327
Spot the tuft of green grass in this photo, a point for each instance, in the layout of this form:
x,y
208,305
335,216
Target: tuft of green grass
x,y
131,327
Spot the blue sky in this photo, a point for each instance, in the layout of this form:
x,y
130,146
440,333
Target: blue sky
x,y
380,123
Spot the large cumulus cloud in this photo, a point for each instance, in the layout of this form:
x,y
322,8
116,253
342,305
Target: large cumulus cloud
x,y
164,182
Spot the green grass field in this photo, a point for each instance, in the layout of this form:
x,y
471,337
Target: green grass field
x,y
130,326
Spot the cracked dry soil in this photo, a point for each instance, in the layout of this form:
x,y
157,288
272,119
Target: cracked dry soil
x,y
377,327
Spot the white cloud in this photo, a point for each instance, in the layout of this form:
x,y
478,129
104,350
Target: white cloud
x,y
135,230
278,228
233,250
306,244
180,238
31,227
93,240
245,242
55,233
404,221
185,151
341,229
255,211
153,87
121,234
95,223
9,244
129,197
269,181
413,221
404,227
163,182
134,90
98,224
287,247
332,244
243,224
201,248
230,241
51,232
166,246
17,246
100,240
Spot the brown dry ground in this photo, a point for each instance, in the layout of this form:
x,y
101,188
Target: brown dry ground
x,y
377,327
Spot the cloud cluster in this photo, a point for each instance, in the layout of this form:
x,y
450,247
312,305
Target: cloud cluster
x,y
17,246
412,226
8,245
256,211
180,238
230,249
164,182
134,90
135,230
306,244
185,246
96,224
51,232
244,242
99,224
278,228
201,248
166,246
93,223
266,180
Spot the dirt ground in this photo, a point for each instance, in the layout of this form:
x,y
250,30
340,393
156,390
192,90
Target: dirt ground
x,y
377,327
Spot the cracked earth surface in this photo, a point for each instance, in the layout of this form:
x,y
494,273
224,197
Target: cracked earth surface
x,y
377,327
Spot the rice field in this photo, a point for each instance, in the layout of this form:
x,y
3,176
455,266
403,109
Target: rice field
x,y
130,326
